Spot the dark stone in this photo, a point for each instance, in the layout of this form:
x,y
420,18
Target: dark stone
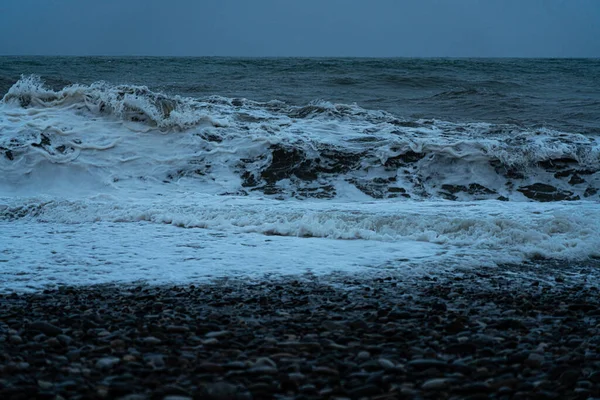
x,y
222,391
518,357
178,329
569,377
546,394
543,193
44,141
399,314
173,390
509,323
262,370
454,188
439,306
506,171
286,163
307,388
473,388
363,391
46,328
576,179
455,326
396,190
428,363
64,339
472,189
558,163
590,191
594,377
403,159
461,348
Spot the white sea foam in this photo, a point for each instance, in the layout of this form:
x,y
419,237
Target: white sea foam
x,y
98,183
322,236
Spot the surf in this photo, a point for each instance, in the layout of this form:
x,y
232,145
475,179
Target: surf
x,y
127,135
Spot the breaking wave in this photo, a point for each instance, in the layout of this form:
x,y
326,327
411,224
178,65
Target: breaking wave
x,y
498,231
126,136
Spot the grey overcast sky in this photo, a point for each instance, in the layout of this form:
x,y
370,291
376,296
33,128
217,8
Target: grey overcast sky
x,y
371,28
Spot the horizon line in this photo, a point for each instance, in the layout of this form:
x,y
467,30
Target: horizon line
x,y
300,57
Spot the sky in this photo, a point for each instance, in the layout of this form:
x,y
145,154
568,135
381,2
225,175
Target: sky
x,y
281,28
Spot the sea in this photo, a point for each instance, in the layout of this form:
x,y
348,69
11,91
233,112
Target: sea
x,y
180,170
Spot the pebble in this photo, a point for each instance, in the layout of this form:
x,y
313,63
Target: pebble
x,y
584,384
21,366
221,391
15,339
210,367
177,329
46,328
333,326
475,387
236,365
65,339
45,385
73,355
595,377
437,384
217,334
40,338
151,340
569,377
364,390
262,370
308,388
265,361
297,376
326,371
156,361
107,362
427,363
534,360
386,364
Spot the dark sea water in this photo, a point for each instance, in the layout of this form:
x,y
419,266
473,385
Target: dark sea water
x,y
557,93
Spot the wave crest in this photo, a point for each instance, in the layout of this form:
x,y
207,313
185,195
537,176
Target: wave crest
x,y
127,102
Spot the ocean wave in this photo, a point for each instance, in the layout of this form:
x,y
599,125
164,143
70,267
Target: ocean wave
x,y
469,92
502,231
127,102
128,135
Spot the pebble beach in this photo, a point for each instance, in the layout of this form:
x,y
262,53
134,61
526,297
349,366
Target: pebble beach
x,y
475,335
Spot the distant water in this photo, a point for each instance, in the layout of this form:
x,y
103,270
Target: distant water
x,y
292,165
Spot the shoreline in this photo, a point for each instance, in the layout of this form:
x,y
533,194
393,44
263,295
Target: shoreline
x,y
477,335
